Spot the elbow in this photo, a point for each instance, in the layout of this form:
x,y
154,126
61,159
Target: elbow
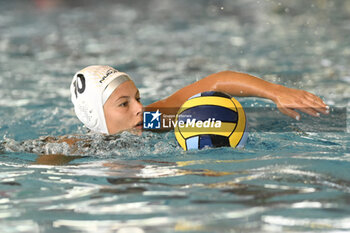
x,y
217,81
221,79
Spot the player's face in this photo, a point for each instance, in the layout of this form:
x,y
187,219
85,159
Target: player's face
x,y
123,109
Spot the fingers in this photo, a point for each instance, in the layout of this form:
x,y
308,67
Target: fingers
x,y
295,115
316,103
310,111
289,112
303,101
316,106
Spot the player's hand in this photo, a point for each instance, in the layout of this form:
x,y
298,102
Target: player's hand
x,y
288,100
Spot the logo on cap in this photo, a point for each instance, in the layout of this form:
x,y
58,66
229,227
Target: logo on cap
x,y
109,72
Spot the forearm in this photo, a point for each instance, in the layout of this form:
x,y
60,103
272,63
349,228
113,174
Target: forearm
x,y
233,83
240,84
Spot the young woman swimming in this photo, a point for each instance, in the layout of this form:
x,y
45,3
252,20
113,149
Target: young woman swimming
x,y
107,101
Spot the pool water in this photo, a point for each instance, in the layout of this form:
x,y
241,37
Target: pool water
x,y
287,178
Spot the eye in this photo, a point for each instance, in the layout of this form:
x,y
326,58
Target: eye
x,y
124,104
138,99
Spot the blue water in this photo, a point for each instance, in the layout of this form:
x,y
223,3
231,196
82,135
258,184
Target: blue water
x,y
287,178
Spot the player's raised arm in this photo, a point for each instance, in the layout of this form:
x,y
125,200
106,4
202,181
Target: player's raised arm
x,y
240,84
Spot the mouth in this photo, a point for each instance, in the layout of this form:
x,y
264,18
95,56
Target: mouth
x,y
139,125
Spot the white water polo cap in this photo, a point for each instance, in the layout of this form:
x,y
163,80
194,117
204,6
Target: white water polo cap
x,y
90,89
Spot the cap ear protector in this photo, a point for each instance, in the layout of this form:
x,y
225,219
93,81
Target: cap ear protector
x,y
90,89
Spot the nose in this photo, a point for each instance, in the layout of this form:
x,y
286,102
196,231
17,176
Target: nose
x,y
138,107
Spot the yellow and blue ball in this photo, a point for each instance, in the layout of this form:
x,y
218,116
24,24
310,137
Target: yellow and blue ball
x,y
211,119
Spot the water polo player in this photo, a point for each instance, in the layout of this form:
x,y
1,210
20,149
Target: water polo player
x,y
107,101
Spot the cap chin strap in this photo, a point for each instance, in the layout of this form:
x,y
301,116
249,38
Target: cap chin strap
x,y
112,86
